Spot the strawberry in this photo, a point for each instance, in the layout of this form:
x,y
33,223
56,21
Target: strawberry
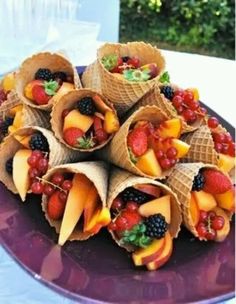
x,y
215,182
71,136
134,62
44,91
100,134
29,87
137,141
55,207
133,218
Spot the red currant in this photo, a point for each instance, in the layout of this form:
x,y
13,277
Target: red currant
x,y
225,149
218,147
159,154
179,92
180,109
121,223
132,206
189,116
211,215
202,111
218,223
63,196
228,138
165,163
37,153
67,184
201,229
203,215
32,161
42,165
33,172
211,235
171,152
117,203
37,188
65,113
231,149
112,226
188,97
48,189
218,137
57,179
173,161
213,122
177,101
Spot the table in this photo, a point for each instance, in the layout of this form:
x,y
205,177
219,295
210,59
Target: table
x,y
215,79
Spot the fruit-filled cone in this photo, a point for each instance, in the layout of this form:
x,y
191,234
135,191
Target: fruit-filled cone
x,y
211,146
207,196
74,200
27,154
7,86
128,71
84,120
147,144
43,78
91,78
146,216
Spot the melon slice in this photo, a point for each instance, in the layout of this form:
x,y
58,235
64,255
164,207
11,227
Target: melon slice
x,y
148,164
91,205
77,120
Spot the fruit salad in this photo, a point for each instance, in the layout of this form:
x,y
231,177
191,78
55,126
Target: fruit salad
x,y
47,84
87,122
72,204
155,148
143,223
129,68
212,200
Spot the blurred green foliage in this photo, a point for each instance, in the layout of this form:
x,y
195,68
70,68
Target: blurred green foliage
x,y
202,26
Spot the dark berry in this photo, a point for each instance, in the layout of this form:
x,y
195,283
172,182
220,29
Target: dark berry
x,y
168,91
38,142
60,75
156,226
134,195
44,74
5,124
198,182
8,166
125,58
86,106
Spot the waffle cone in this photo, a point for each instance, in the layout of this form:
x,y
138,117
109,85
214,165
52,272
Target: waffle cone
x,y
58,154
68,101
120,180
97,173
181,182
117,151
54,62
33,117
12,101
91,78
124,94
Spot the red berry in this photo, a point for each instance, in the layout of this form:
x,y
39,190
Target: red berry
x,y
201,229
65,113
165,163
228,138
202,111
48,189
211,235
132,218
218,223
121,223
134,61
67,184
179,92
225,149
211,215
117,203
57,179
131,206
42,165
173,161
193,105
231,149
137,141
177,101
213,122
189,116
218,137
37,153
63,196
32,161
188,97
171,152
159,154
37,188
101,135
180,109
33,172
112,226
218,147
203,215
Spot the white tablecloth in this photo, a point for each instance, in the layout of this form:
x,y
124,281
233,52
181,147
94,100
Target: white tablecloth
x,y
215,79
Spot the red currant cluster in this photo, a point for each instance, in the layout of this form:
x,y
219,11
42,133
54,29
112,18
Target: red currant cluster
x,y
224,143
127,218
167,159
208,224
186,105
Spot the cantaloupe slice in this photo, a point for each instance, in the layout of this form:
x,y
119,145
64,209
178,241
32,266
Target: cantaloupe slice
x,y
20,172
194,210
90,206
65,88
226,200
160,205
24,140
74,206
100,104
111,122
181,147
170,128
226,162
100,218
148,164
77,120
14,110
205,201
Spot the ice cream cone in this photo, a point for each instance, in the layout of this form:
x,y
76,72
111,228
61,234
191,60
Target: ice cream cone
x,y
12,101
124,94
120,180
117,151
33,117
68,101
91,78
95,172
54,62
58,153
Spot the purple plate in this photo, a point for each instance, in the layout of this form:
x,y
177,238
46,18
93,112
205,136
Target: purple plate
x,y
98,271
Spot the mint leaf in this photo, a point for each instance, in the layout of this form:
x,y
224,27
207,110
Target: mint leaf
x,y
109,61
136,236
85,142
165,78
51,87
136,75
132,157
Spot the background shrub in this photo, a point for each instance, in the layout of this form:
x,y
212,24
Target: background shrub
x,y
203,26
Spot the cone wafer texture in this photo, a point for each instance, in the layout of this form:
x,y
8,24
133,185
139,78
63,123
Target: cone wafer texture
x,y
12,101
91,78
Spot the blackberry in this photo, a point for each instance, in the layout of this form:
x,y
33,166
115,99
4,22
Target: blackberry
x,y
38,142
198,183
168,91
156,226
5,124
134,195
125,58
44,74
86,106
60,75
8,165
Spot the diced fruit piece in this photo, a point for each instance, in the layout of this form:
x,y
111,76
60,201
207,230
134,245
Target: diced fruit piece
x,y
55,206
100,219
14,110
100,104
90,206
17,122
8,82
151,68
216,182
194,210
226,163
111,122
181,147
74,206
72,136
76,120
137,141
226,200
148,164
65,88
170,128
149,189
204,200
29,87
165,254
150,253
160,205
222,233
20,172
